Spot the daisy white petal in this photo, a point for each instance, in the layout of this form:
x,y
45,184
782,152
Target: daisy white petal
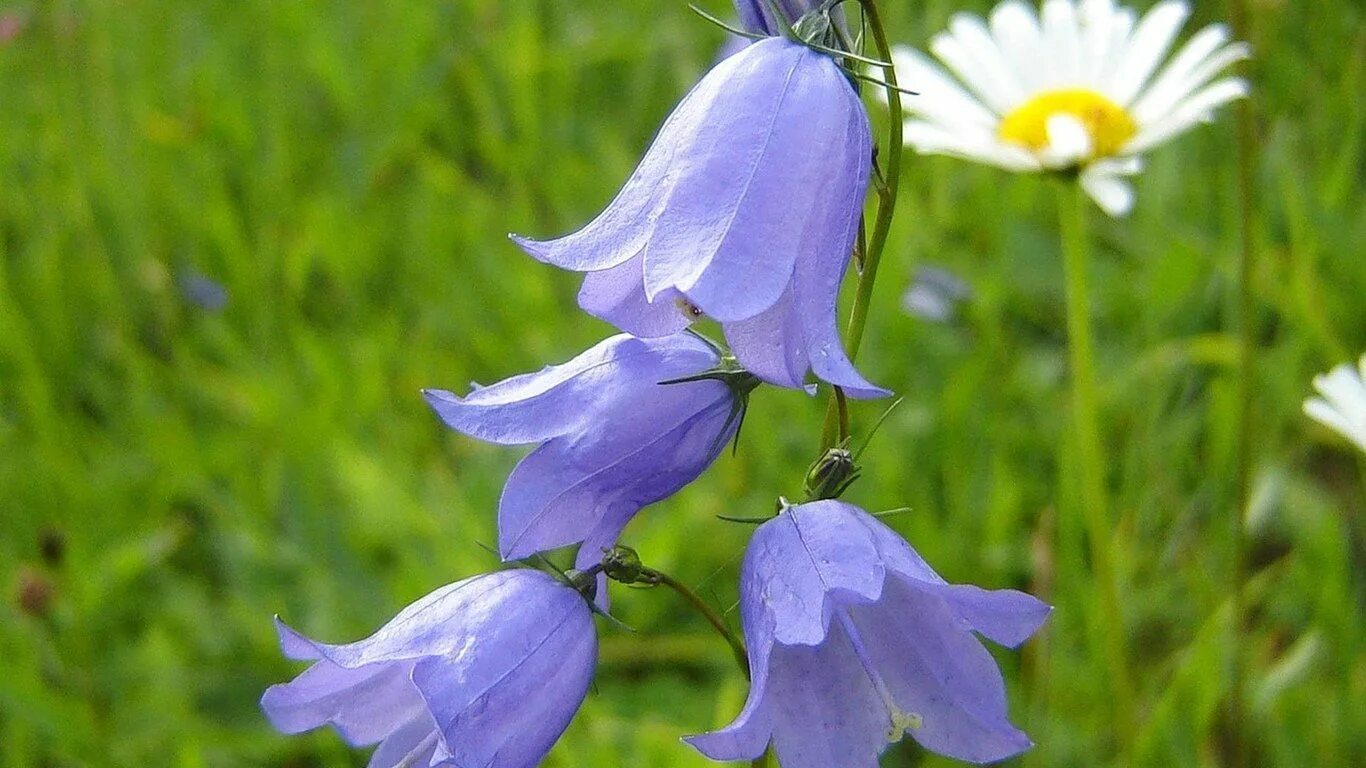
x,y
932,139
1068,142
1342,406
1016,31
972,33
1150,43
967,63
1062,36
939,98
1199,108
1204,56
1095,18
1114,195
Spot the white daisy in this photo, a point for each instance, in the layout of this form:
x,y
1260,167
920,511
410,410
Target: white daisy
x,y
1071,88
1342,406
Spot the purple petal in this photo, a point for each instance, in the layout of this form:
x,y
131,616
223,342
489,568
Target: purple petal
x,y
617,295
1005,616
769,345
413,744
538,406
826,249
894,551
453,617
504,706
824,710
779,155
645,449
744,180
364,704
939,677
803,557
623,229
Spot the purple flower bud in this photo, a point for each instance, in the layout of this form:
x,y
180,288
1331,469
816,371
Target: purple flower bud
x,y
612,438
854,640
487,671
744,209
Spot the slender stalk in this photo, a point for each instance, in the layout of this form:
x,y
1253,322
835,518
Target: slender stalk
x,y
1090,457
1247,368
737,648
882,224
887,192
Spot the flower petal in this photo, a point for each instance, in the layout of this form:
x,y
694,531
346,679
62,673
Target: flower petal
x,y
770,345
558,399
413,744
504,706
1147,47
1197,109
826,249
645,450
617,295
938,675
1114,195
800,558
728,235
823,708
1005,616
364,704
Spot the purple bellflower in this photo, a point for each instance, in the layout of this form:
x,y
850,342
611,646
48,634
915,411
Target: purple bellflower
x,y
744,209
854,641
487,671
612,438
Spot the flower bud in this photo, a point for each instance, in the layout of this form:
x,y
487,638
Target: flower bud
x,y
831,475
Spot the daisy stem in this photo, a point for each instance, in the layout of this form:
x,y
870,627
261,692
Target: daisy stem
x,y
882,224
1090,457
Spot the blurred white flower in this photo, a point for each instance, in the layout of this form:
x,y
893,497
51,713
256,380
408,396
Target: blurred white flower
x,y
1342,406
1075,87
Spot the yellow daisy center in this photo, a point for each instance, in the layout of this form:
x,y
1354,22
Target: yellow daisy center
x,y
1109,126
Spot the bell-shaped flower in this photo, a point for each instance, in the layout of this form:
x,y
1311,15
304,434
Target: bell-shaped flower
x,y
744,209
487,671
854,640
616,431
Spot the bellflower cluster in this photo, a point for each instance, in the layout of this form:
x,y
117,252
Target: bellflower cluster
x,y
745,210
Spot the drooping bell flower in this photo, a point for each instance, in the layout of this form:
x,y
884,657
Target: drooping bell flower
x,y
854,640
613,437
487,671
744,209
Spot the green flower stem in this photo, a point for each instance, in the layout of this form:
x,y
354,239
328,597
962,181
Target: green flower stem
x,y
882,224
1089,454
737,648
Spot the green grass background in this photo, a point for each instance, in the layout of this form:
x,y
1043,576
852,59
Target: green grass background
x,y
348,172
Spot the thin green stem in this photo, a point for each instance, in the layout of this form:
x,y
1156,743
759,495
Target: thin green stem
x,y
1247,368
1089,455
887,193
882,224
719,624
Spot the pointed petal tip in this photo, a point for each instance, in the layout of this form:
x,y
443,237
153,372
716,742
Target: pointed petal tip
x,y
293,644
